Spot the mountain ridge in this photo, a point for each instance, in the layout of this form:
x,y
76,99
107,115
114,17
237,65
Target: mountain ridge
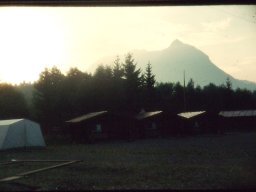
x,y
169,65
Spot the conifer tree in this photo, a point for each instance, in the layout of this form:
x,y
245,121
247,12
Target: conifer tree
x,y
133,82
118,71
149,87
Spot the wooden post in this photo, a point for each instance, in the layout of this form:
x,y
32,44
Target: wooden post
x,y
20,175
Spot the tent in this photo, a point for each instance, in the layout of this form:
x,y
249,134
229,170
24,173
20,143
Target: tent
x,y
16,133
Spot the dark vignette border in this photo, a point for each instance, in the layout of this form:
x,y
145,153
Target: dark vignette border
x,y
124,2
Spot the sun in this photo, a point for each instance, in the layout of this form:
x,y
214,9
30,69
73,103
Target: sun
x,y
30,40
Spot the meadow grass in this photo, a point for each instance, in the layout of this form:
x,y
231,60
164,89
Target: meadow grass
x,y
198,162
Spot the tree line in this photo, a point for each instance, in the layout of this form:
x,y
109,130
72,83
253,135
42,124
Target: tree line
x,y
123,88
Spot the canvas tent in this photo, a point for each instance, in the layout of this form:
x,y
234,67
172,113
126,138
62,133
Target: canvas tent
x,y
16,133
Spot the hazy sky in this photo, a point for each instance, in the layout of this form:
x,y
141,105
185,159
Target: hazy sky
x,y
32,38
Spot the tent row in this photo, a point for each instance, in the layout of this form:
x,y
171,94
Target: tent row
x,y
104,125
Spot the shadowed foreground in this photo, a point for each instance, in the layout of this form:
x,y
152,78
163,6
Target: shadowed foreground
x,y
202,162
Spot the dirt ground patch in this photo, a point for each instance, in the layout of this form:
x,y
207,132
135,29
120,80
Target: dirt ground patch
x,y
199,162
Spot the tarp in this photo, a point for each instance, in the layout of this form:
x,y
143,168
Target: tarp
x,y
16,133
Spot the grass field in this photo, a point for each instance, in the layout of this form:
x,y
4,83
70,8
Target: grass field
x,y
200,162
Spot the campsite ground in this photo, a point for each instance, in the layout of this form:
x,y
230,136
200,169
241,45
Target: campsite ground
x,y
199,162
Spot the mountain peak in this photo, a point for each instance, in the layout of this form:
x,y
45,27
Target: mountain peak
x,y
176,42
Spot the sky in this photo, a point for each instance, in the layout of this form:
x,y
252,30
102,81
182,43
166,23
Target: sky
x,y
32,38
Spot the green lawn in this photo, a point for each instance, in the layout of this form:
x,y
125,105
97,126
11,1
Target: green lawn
x,y
199,162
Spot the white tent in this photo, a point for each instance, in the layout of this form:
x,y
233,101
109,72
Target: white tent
x,y
15,133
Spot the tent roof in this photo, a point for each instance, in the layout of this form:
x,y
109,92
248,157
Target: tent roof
x,y
143,114
9,121
189,115
85,117
242,113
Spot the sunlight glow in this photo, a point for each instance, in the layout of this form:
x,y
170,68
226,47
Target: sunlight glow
x,y
30,41
32,38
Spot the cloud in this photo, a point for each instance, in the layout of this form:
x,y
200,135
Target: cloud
x,y
216,26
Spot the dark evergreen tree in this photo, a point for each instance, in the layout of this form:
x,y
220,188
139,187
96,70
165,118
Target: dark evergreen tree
x,y
228,95
254,99
178,95
228,83
133,83
190,95
12,103
118,86
198,98
212,98
149,77
48,98
149,96
118,71
164,97
243,99
75,92
102,88
27,90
